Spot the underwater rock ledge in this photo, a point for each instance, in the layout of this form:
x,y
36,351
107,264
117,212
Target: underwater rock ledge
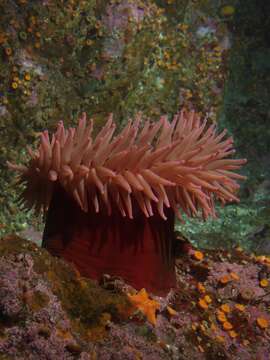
x,y
219,309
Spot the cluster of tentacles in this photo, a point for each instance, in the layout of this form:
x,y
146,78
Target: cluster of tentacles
x,y
182,164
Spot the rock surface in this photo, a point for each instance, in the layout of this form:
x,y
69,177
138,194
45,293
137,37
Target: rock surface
x,y
219,309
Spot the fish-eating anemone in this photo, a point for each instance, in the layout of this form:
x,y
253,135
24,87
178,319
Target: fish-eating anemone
x,y
111,201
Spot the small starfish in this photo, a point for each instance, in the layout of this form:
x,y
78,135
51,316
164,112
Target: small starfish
x,y
147,306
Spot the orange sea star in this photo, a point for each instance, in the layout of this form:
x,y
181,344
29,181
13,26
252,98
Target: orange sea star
x,y
146,305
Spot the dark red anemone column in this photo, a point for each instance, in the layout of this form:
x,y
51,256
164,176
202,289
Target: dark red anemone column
x,y
140,250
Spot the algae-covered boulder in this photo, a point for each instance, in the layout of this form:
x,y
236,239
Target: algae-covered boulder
x,y
219,309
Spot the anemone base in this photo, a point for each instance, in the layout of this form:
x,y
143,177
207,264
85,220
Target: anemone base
x,y
140,250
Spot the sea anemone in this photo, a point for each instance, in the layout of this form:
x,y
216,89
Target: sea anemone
x,y
111,201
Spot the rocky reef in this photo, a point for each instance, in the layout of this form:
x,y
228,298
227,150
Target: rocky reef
x,y
219,309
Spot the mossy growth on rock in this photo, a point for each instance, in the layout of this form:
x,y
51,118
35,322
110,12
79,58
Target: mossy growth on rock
x,y
83,300
219,309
